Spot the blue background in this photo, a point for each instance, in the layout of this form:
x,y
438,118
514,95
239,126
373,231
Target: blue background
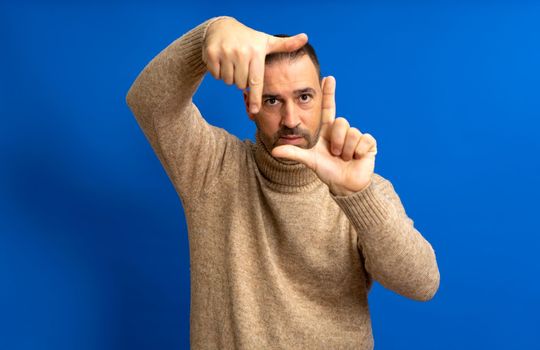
x,y
93,243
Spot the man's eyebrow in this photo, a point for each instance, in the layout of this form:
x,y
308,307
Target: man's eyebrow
x,y
296,92
270,96
305,91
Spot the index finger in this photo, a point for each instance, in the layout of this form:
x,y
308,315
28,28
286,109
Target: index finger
x,y
329,100
255,82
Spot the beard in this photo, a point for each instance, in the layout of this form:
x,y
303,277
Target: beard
x,y
271,141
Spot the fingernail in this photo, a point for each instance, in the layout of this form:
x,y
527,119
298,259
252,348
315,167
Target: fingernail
x,y
253,108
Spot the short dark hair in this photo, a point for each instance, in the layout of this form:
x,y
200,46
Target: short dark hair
x,y
307,49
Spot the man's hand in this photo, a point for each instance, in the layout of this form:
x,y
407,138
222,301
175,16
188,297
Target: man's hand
x,y
236,53
343,158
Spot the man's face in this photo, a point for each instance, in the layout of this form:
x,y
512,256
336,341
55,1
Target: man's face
x,y
291,104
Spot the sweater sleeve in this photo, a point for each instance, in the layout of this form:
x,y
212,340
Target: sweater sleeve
x,y
395,253
191,151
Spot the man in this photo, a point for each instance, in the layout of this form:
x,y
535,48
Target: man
x,y
286,234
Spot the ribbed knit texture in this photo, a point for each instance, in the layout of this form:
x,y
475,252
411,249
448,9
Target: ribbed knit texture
x,y
276,260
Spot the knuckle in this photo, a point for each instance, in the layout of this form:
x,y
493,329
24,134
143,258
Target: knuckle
x,y
355,132
254,50
342,121
370,138
211,52
226,50
259,51
242,52
254,81
365,142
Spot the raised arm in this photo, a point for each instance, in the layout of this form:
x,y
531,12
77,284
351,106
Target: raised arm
x,y
193,152
165,87
161,101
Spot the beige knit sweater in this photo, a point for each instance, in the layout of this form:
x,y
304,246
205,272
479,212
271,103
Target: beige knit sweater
x,y
277,261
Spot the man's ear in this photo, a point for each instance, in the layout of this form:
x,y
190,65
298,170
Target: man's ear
x,y
246,103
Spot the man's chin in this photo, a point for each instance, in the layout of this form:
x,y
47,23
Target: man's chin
x,y
286,161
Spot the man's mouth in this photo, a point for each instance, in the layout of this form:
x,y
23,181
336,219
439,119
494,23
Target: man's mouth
x,y
291,139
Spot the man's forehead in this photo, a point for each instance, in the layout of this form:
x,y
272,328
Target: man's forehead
x,y
290,76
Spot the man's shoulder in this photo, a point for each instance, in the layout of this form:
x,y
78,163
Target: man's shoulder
x,y
378,178
233,148
382,183
233,140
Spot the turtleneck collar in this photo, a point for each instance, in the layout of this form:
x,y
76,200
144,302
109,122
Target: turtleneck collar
x,y
287,177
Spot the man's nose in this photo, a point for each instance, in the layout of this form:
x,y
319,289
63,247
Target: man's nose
x,y
289,115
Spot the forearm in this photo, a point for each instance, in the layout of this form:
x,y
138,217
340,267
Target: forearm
x,y
168,82
161,101
396,254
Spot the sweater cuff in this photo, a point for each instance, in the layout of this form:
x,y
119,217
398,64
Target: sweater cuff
x,y
366,209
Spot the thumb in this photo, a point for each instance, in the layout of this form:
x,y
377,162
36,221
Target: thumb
x,y
295,153
278,44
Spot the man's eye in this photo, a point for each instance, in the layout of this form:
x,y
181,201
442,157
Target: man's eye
x,y
305,97
271,101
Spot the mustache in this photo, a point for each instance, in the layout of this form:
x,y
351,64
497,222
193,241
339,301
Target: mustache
x,y
286,131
